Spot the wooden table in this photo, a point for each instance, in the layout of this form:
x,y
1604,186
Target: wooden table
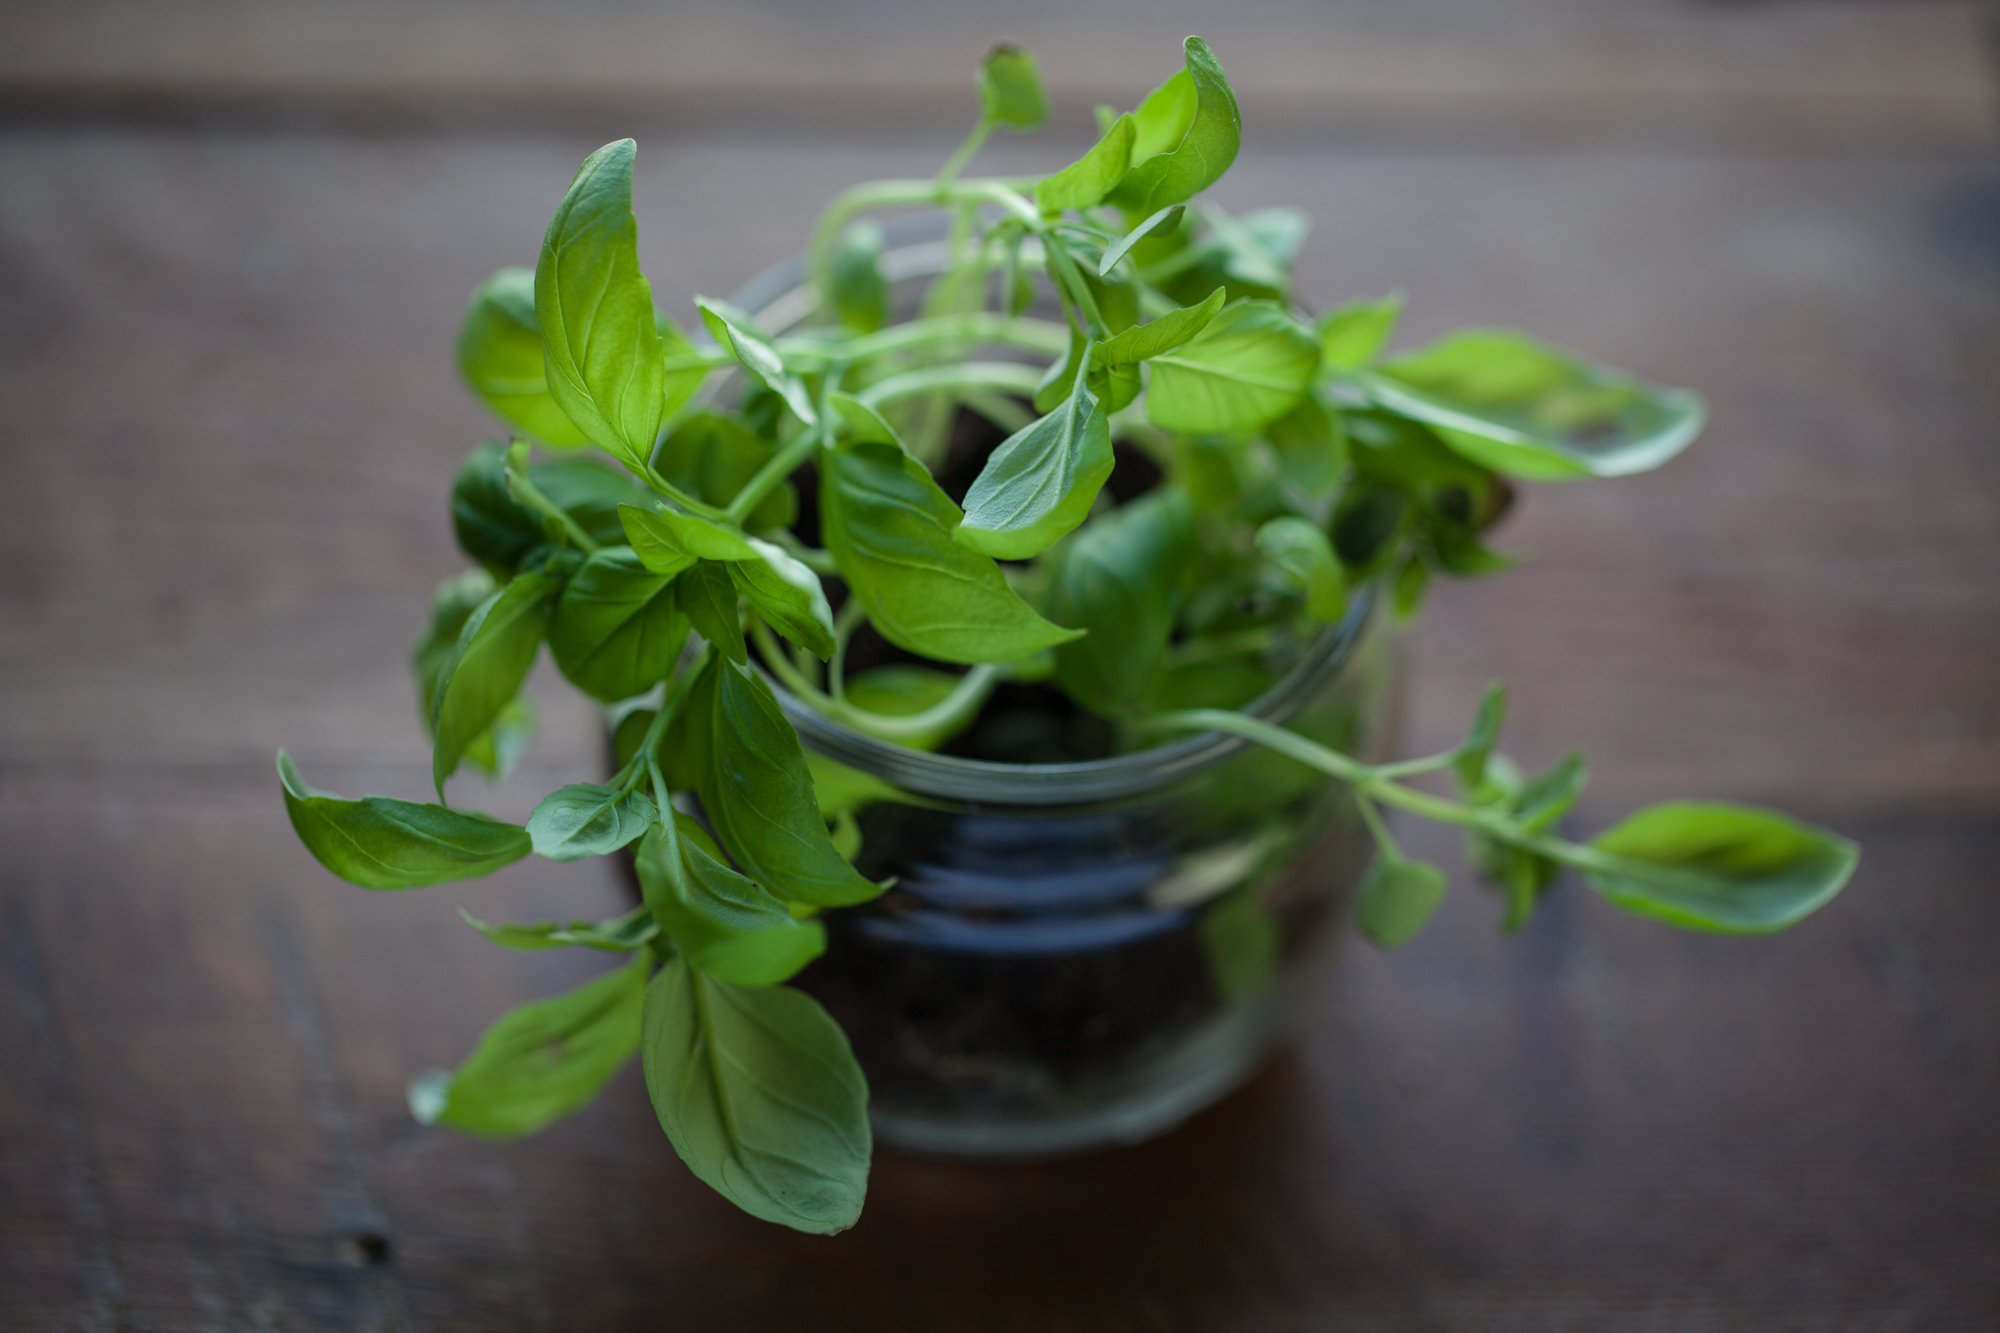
x,y
230,422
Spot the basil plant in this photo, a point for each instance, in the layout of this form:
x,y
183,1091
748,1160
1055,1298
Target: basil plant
x,y
1101,315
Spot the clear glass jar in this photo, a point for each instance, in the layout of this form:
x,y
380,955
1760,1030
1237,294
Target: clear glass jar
x,y
1084,954
1080,955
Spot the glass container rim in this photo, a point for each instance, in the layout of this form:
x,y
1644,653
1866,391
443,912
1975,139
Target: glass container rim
x,y
778,297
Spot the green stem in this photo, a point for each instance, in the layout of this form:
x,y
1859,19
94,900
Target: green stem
x,y
1007,376
525,492
965,699
1369,781
844,626
781,465
890,193
1032,335
949,171
1379,830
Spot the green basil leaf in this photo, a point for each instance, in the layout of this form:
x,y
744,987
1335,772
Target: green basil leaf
x,y
1728,869
707,596
542,1060
1163,221
1310,443
1350,337
1171,330
657,542
590,493
496,649
617,631
1250,365
490,527
889,527
500,356
604,351
1117,579
860,295
711,456
1188,134
501,746
380,843
634,930
1085,182
1474,751
453,604
1533,411
760,1095
584,819
1010,88
1302,550
730,927
867,425
1040,482
1548,796
786,594
757,354
757,792
1397,897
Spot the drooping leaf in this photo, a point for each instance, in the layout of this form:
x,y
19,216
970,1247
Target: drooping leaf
x,y
1302,550
500,357
1529,410
760,1094
757,792
496,649
1397,897
756,353
1118,579
585,819
1188,131
1728,869
707,596
1041,481
381,843
730,927
787,594
1010,88
1163,221
890,529
1143,342
1250,365
1350,336
455,601
541,1061
603,347
1085,182
620,934
617,630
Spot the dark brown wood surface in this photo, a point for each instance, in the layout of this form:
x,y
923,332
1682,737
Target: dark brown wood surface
x,y
230,419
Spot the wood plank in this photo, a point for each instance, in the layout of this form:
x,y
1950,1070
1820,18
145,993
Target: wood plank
x,y
1598,1121
1824,76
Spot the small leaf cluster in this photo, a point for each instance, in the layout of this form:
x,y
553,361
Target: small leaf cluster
x,y
640,521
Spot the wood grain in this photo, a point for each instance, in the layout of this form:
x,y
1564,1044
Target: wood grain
x,y
231,419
